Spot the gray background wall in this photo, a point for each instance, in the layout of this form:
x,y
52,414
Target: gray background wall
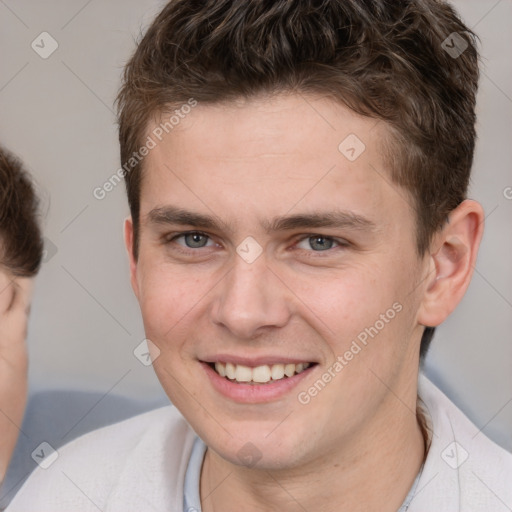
x,y
57,115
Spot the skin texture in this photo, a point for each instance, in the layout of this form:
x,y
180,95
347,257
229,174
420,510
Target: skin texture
x,y
15,296
357,444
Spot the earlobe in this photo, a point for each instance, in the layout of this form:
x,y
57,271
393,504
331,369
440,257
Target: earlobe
x,y
451,265
128,241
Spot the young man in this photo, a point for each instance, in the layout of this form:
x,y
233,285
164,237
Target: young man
x,y
21,251
297,176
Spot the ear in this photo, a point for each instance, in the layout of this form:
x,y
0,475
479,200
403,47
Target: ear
x,y
128,241
451,264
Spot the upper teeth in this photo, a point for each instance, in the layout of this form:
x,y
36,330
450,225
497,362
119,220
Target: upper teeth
x,y
259,374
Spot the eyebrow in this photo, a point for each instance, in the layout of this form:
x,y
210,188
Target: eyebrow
x,y
333,219
182,217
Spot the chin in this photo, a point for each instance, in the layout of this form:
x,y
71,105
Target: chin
x,y
255,451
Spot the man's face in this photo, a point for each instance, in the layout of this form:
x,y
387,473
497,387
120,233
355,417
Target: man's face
x,y
338,279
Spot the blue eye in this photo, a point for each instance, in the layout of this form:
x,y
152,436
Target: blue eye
x,y
318,243
193,240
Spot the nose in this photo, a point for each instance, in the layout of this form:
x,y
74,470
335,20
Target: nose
x,y
250,299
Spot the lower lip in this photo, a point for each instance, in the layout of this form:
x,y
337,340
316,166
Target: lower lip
x,y
254,393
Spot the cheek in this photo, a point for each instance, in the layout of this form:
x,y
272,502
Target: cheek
x,y
341,302
162,303
168,299
368,303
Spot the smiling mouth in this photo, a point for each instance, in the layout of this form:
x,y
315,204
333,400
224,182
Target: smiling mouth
x,y
264,374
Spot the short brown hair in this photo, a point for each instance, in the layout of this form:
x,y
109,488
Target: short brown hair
x,y
385,59
21,245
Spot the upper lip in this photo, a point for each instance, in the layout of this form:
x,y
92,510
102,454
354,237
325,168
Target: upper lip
x,y
255,361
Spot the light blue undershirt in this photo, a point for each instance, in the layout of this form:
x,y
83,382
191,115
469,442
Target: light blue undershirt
x,y
191,495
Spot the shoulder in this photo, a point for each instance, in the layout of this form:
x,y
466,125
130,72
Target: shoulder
x,y
105,467
463,467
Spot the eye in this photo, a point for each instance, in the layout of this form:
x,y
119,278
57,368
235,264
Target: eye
x,y
193,240
318,243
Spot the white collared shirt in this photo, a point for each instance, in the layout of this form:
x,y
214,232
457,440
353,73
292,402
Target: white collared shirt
x,y
140,465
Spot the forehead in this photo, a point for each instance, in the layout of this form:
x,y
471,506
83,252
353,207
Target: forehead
x,y
266,156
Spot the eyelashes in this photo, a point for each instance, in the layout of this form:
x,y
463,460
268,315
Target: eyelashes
x,y
194,242
196,239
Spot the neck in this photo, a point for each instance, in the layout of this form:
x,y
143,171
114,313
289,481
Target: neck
x,y
374,470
